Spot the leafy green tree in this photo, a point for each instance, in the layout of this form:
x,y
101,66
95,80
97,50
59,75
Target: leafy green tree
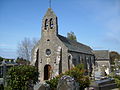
x,y
22,61
1,59
22,77
71,36
113,56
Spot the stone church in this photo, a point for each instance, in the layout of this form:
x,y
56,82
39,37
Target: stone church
x,y
54,53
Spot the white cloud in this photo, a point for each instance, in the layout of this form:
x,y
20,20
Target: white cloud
x,y
3,45
107,15
109,18
8,52
98,47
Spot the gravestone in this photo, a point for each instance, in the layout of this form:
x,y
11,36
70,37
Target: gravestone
x,y
67,83
44,87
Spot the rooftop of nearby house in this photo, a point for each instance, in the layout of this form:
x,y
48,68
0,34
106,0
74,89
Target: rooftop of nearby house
x,y
101,54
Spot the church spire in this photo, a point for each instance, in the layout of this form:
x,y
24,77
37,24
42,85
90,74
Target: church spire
x,y
49,23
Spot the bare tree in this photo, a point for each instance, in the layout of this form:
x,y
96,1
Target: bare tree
x,y
25,48
34,41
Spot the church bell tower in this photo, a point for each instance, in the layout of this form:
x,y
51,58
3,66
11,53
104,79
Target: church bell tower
x,y
49,23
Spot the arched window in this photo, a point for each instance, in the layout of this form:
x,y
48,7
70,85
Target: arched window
x,y
60,63
37,58
46,24
51,23
79,59
74,60
69,57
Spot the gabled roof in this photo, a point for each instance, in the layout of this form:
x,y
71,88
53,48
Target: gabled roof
x,y
101,54
75,46
50,13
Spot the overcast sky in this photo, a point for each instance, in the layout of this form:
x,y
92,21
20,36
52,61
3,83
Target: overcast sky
x,y
96,23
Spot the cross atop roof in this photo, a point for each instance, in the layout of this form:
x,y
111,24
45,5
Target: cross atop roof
x,y
49,3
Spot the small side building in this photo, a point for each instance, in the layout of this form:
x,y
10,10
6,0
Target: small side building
x,y
102,62
4,67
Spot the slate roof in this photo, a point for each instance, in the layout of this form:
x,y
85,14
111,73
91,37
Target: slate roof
x,y
75,46
8,63
101,54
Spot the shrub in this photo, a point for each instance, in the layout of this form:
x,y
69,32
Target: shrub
x,y
53,82
22,77
77,73
1,87
117,80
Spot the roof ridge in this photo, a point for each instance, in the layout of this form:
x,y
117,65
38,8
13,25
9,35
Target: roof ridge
x,y
74,45
74,41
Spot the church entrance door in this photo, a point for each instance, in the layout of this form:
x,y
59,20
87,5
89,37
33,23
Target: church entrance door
x,y
47,72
